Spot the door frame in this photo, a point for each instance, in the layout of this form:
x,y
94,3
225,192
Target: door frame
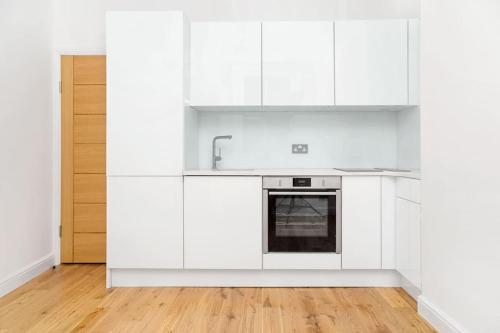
x,y
55,191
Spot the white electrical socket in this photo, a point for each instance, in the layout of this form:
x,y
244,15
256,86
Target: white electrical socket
x,y
300,148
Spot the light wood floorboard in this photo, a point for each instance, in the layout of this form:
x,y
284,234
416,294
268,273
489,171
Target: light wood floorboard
x,y
73,298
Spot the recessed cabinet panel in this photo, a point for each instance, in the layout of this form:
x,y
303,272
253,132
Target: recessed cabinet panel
x,y
361,235
223,222
226,64
371,62
297,63
144,222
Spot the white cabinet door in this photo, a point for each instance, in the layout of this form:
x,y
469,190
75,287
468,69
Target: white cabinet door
x,y
223,222
361,245
226,64
144,222
145,95
297,63
371,63
414,62
388,222
408,240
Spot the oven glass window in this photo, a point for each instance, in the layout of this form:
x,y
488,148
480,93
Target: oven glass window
x,y
301,223
301,217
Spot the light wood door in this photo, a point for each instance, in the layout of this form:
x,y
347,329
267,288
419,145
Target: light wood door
x,y
83,159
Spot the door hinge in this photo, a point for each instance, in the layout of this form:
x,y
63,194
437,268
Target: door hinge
x,y
60,87
60,231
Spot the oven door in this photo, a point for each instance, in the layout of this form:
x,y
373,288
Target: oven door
x,y
302,221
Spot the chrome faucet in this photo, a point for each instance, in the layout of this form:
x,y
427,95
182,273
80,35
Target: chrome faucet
x,y
216,158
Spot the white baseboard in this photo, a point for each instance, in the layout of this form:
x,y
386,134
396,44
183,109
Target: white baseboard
x,y
410,288
25,274
252,278
437,318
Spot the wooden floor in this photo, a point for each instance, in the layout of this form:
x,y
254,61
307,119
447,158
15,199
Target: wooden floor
x,y
73,298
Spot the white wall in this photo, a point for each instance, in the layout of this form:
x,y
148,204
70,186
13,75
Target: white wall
x,y
263,139
25,139
460,124
80,23
409,139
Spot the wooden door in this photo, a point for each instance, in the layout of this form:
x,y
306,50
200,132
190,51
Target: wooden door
x,y
83,159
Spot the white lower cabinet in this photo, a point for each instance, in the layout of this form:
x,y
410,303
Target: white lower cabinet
x,y
222,222
361,225
408,240
388,223
144,222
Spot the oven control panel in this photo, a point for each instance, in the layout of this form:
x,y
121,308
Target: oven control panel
x,y
316,182
301,182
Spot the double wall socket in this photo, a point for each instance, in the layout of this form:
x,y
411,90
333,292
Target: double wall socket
x,y
300,148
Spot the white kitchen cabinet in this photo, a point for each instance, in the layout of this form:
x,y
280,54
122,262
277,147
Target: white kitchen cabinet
x,y
414,61
145,94
371,62
222,222
388,222
226,64
361,234
408,188
408,240
297,64
144,227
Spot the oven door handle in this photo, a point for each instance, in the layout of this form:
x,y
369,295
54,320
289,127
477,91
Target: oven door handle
x,y
304,193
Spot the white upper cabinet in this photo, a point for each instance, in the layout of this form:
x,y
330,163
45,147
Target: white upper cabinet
x,y
361,225
371,62
297,63
414,61
226,64
145,94
222,222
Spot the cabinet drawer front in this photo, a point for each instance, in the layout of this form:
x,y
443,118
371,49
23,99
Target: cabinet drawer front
x,y
409,189
90,158
90,247
89,129
89,217
89,70
89,188
89,99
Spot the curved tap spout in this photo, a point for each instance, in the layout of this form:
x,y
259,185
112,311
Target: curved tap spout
x,y
215,157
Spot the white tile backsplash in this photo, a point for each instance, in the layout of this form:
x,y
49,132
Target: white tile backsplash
x,y
264,139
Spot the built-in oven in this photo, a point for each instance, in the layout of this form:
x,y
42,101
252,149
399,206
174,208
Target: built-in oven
x,y
302,214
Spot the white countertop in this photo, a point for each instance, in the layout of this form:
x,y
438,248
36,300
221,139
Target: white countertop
x,y
296,172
